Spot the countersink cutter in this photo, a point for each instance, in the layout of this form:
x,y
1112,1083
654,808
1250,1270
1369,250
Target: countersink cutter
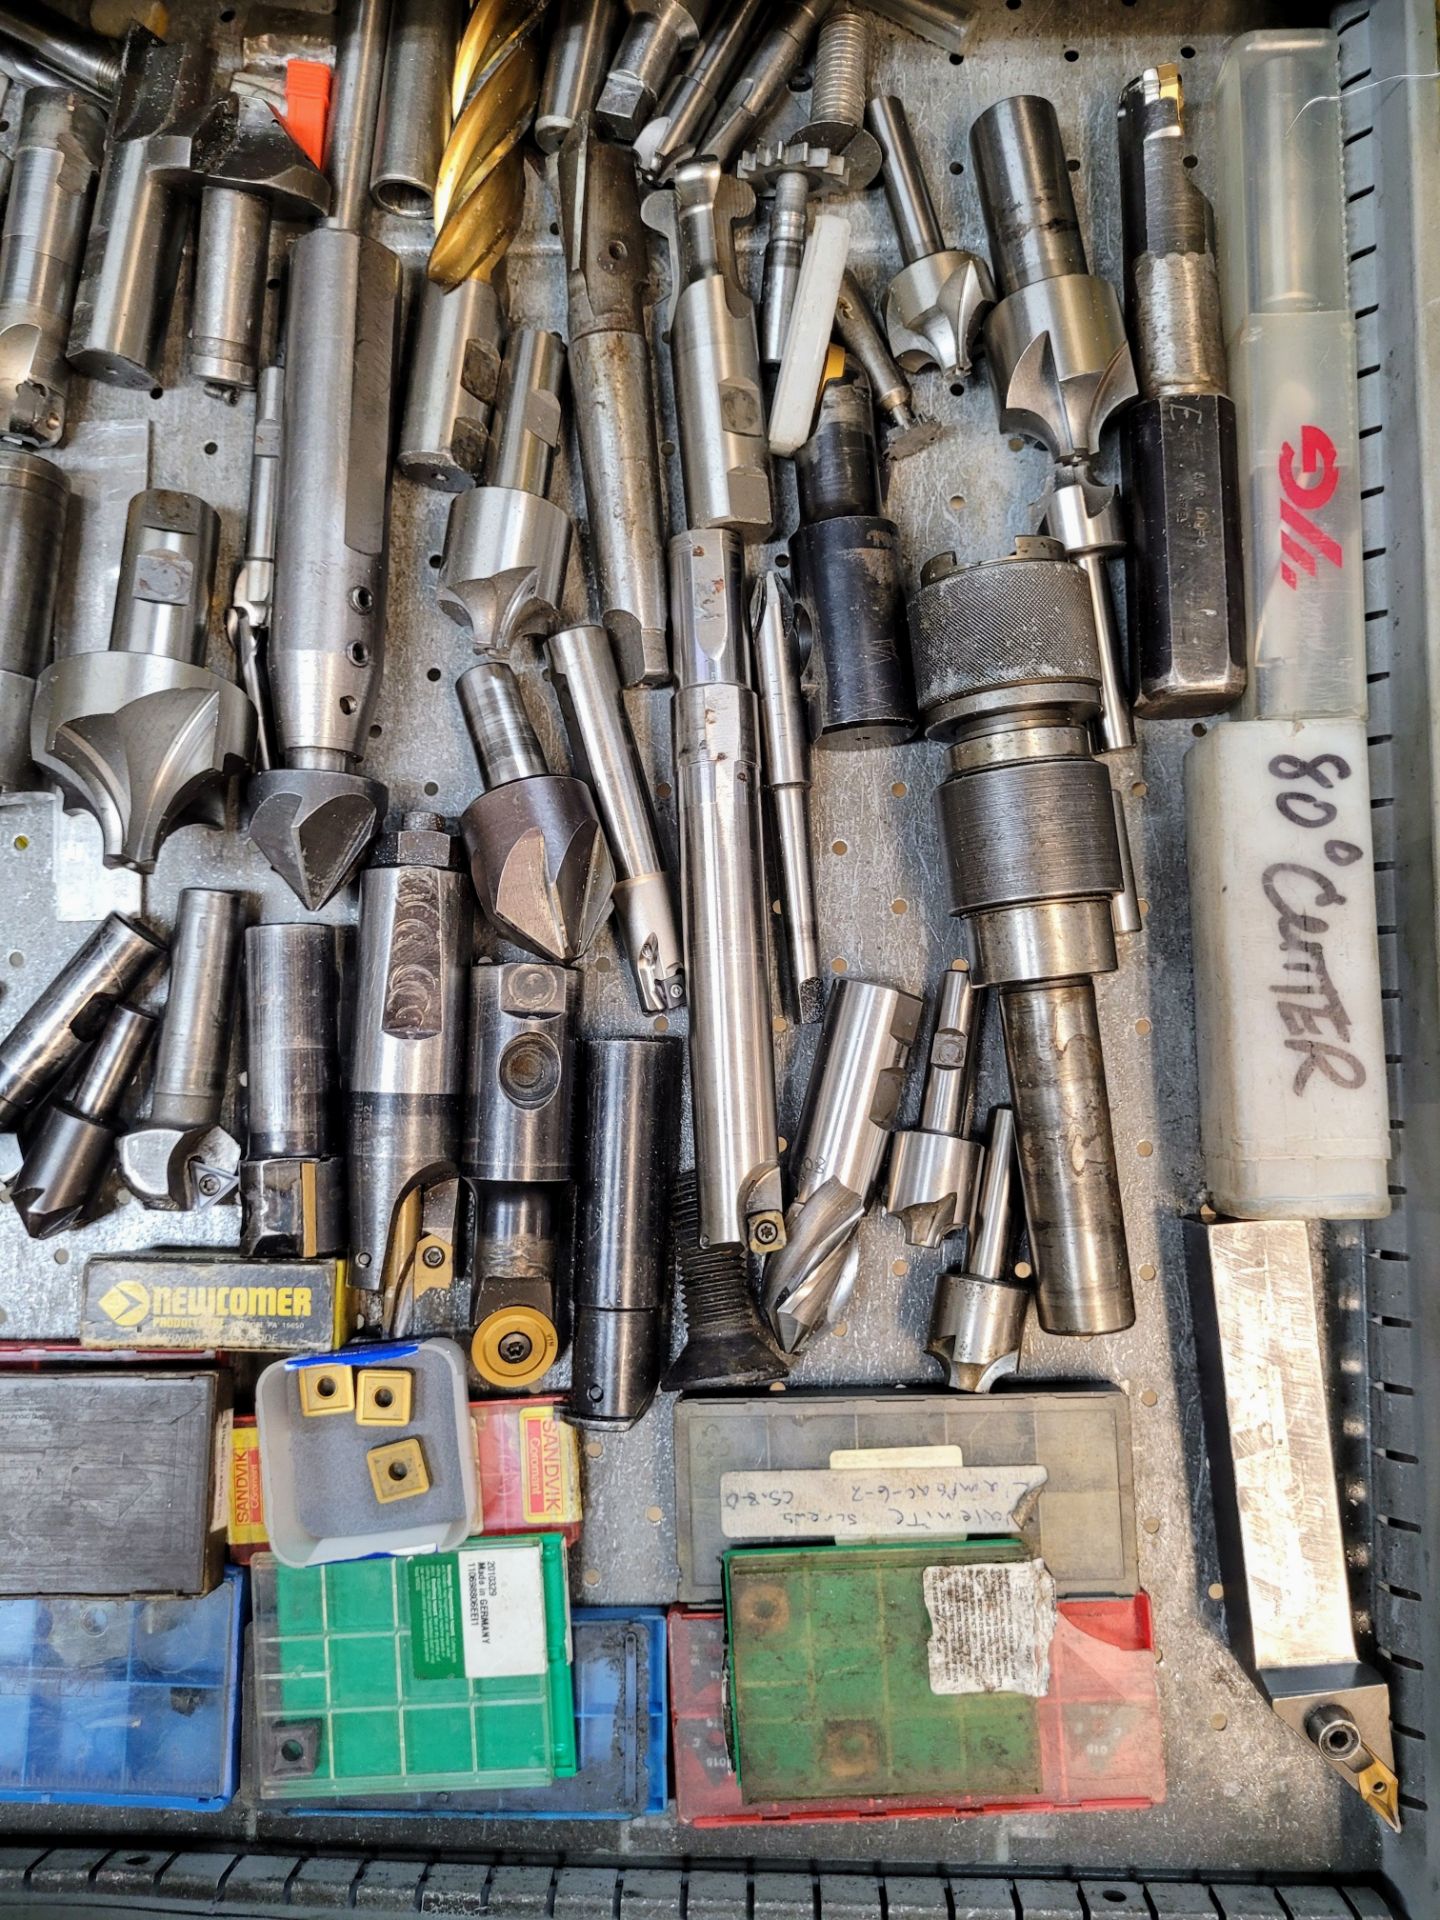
x,y
934,1168
977,1325
839,1151
179,1158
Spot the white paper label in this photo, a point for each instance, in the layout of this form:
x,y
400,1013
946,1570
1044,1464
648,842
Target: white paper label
x,y
874,1503
991,1627
930,1457
502,1613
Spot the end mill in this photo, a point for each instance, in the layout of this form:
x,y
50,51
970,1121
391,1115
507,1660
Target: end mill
x,y
1008,675
144,736
506,545
933,1167
480,189
978,1323
940,297
1055,343
1185,592
538,859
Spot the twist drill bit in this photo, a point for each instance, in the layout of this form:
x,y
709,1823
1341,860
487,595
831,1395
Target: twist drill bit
x,y
722,884
70,1150
762,75
668,139
34,500
407,1066
480,188
313,814
1059,360
714,350
622,1255
252,601
839,1150
144,736
933,1167
602,746
907,430
1007,670
786,765
179,1157
727,1344
538,859
938,301
658,33
71,1011
607,261
978,1322
292,1179
506,545
452,385
581,42
1185,593
57,159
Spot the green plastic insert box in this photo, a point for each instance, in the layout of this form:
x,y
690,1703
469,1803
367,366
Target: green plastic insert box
x,y
830,1690
435,1671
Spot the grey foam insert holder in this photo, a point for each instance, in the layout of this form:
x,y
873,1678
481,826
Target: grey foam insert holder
x,y
334,1494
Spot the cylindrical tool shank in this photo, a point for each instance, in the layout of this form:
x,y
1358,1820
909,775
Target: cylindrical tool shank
x,y
231,255
580,43
906,191
837,470
671,137
327,641
89,59
850,606
499,727
71,1011
528,412
194,1047
1025,193
658,33
414,117
292,1000
767,66
520,1076
167,571
784,252
950,1081
622,1243
1067,1158
350,130
454,374
58,151
112,1065
34,496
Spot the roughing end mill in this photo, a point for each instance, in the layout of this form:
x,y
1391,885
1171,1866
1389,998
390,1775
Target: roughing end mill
x,y
1008,675
978,1322
786,771
1185,588
722,883
1059,360
480,189
407,1067
839,1151
933,1167
607,259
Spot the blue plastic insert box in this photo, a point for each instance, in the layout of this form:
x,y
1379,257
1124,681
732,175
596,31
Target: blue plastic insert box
x,y
121,1703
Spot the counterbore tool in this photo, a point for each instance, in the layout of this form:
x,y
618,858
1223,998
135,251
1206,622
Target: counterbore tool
x,y
934,1167
252,600
250,172
722,882
838,1153
480,189
1008,675
518,1129
506,545
69,1152
691,98
454,376
786,772
34,498
292,1179
581,39
907,430
313,814
179,1157
607,261
714,351
1185,590
978,1321
71,1011
58,151
582,668
938,301
144,736
539,861
658,33
849,579
407,1065
727,1343
1059,360
767,64
137,233
414,117
622,1238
